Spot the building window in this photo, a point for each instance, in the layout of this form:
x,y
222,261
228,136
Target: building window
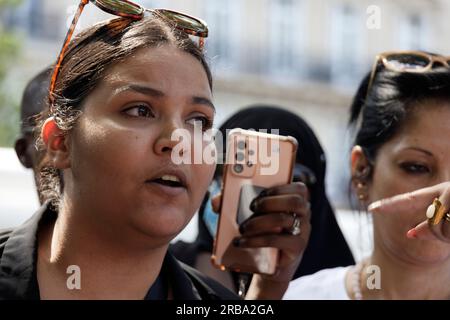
x,y
346,40
222,47
39,20
286,59
21,17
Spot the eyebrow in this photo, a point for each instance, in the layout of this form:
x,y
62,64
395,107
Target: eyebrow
x,y
158,94
428,153
141,89
204,101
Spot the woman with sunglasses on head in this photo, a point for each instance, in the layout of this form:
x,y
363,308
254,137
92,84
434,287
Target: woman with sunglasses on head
x,y
401,114
326,247
119,91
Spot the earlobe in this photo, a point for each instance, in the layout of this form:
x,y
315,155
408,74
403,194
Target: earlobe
x,y
360,170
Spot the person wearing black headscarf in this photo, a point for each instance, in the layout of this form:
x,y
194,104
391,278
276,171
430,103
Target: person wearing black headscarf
x,y
327,247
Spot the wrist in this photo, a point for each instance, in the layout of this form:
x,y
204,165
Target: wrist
x,y
264,288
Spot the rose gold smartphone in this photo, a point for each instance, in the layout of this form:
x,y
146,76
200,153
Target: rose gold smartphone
x,y
254,161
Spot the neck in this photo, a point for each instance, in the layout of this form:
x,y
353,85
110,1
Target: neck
x,y
111,267
404,280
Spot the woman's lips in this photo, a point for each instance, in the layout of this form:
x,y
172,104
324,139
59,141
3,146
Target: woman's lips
x,y
166,189
170,182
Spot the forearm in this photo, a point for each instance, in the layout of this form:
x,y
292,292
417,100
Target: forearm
x,y
265,289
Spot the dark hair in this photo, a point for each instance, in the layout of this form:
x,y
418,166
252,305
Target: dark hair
x,y
379,114
88,57
34,99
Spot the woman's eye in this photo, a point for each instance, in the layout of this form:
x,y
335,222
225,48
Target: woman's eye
x,y
139,111
202,121
414,168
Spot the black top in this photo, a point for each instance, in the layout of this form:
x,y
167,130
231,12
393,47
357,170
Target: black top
x,y
18,276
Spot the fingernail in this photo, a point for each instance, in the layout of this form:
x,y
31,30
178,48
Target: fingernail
x,y
236,242
374,206
411,234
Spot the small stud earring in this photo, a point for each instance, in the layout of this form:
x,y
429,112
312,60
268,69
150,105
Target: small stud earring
x,y
361,187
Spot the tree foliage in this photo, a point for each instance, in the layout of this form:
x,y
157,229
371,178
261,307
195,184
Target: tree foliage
x,y
9,109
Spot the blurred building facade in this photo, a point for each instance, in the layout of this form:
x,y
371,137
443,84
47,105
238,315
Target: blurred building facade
x,y
307,56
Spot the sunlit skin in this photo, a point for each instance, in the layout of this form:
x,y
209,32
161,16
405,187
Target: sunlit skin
x,y
125,133
113,221
416,157
116,219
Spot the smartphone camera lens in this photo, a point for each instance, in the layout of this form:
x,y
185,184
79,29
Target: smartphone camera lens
x,y
239,156
251,152
238,168
241,145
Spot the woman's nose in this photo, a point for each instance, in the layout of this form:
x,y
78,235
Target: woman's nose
x,y
164,143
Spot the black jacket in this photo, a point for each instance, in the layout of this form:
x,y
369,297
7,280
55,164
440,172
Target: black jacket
x,y
18,276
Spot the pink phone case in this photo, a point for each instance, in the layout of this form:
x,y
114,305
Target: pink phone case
x,y
254,161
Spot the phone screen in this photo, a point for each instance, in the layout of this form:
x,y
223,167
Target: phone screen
x,y
247,194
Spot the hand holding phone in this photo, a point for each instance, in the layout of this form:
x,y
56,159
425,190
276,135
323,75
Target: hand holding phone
x,y
255,161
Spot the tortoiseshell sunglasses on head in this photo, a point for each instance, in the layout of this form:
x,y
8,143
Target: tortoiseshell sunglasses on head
x,y
406,61
127,9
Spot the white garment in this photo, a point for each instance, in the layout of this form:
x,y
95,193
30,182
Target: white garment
x,y
327,284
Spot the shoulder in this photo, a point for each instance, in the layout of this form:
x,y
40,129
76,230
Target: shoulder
x,y
207,287
185,252
4,236
327,284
